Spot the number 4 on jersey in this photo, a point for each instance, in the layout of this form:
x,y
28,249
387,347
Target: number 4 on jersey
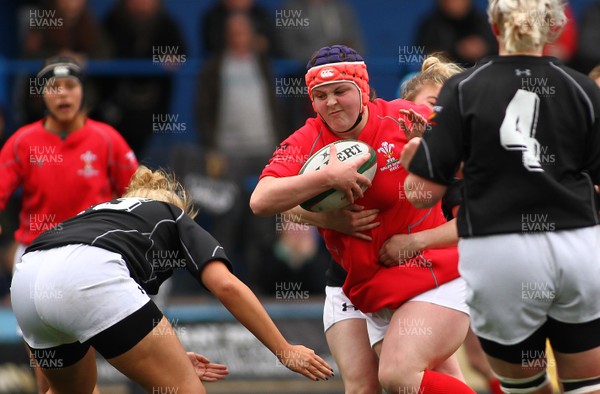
x,y
519,126
123,204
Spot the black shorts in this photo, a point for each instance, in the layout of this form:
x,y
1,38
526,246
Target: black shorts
x,y
564,338
110,343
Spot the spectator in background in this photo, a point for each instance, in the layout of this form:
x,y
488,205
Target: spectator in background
x,y
308,24
239,128
140,29
595,74
457,28
213,23
78,36
589,38
296,254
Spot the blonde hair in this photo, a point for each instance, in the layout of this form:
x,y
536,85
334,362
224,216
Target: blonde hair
x,y
527,25
436,70
161,186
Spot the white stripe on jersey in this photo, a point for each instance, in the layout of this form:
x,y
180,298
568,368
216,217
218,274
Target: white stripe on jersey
x,y
111,231
461,83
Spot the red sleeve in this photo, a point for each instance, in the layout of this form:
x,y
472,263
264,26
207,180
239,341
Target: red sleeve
x,y
294,151
11,169
122,163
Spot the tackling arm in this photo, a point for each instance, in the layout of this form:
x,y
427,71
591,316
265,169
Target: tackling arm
x,y
247,309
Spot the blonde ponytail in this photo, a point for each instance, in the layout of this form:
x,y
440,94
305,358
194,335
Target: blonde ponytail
x,y
435,70
527,25
161,186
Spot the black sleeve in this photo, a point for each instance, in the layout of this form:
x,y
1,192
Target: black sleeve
x,y
199,247
441,150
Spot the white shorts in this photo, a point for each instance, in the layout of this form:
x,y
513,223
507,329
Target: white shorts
x,y
71,293
338,307
450,295
516,281
19,251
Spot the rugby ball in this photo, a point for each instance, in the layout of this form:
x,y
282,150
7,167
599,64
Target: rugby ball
x,y
347,150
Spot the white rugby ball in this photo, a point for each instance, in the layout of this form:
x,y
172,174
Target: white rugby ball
x,y
347,150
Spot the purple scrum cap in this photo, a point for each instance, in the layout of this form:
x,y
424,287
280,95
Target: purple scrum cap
x,y
337,63
333,54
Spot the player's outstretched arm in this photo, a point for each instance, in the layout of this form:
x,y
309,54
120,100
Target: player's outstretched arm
x,y
247,309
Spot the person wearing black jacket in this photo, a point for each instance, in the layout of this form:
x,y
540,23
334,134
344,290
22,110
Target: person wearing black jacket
x,y
457,28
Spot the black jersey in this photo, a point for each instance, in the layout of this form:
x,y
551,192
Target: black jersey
x,y
528,131
154,238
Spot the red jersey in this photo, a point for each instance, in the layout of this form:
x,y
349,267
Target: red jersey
x,y
62,177
370,285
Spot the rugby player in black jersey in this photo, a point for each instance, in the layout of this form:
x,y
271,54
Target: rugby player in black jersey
x,y
528,131
86,282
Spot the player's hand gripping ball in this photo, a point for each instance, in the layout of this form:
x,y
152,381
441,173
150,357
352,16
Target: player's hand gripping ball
x,y
347,151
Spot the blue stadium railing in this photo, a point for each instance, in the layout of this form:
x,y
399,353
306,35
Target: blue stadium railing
x,y
201,313
385,74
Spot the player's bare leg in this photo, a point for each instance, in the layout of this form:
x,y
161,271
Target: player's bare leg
x,y
451,366
159,361
349,342
478,361
406,354
580,368
476,356
40,378
79,378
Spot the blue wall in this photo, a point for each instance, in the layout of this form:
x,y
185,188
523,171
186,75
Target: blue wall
x,y
386,25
